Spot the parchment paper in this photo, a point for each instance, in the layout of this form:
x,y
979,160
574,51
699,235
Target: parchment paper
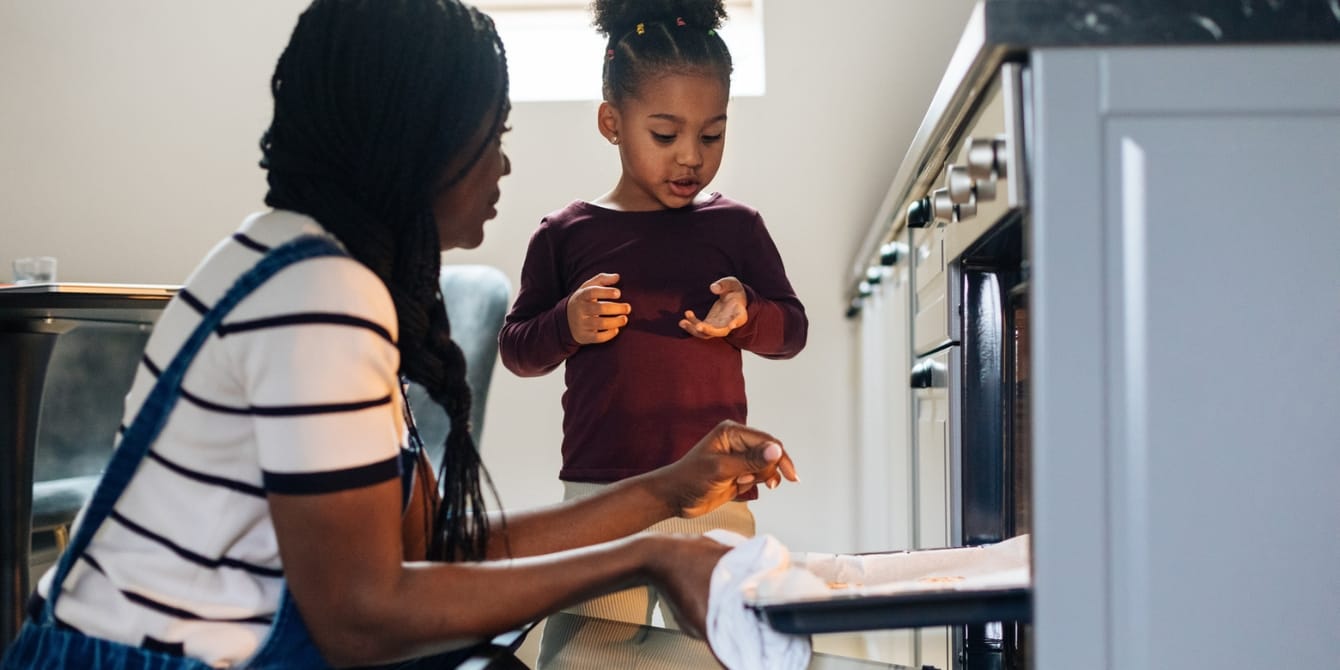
x,y
820,576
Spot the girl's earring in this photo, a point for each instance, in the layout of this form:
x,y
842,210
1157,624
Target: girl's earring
x,y
614,139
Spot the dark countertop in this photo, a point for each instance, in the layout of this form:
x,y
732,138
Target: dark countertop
x,y
1001,31
1062,23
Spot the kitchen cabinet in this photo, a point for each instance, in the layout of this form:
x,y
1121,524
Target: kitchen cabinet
x,y
1186,288
886,474
1124,222
1180,226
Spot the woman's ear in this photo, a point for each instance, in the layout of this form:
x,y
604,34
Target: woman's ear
x,y
607,120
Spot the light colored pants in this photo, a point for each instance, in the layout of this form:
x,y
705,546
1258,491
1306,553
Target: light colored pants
x,y
639,604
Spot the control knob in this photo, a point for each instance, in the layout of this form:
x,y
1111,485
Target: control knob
x,y
985,158
959,184
942,207
962,191
919,213
892,253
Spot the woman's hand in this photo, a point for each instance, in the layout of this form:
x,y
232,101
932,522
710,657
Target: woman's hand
x,y
729,312
681,569
729,462
593,316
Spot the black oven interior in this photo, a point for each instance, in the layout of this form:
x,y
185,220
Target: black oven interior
x,y
992,494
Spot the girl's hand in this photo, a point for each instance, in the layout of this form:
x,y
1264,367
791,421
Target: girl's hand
x,y
593,317
729,462
729,312
681,568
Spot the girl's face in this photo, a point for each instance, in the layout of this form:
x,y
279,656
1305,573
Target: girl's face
x,y
461,209
670,141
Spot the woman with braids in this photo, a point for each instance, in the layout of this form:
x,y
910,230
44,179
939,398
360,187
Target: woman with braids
x,y
605,282
268,504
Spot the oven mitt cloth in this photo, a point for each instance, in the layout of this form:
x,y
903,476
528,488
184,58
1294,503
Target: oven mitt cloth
x,y
740,638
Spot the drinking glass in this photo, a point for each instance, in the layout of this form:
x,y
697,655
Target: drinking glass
x,y
35,270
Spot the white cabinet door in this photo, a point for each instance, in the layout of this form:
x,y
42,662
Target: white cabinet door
x,y
885,515
1186,357
933,490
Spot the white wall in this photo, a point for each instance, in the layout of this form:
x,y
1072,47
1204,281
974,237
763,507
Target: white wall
x,y
128,146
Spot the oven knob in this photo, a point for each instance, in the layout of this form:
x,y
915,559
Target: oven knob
x,y
854,308
892,253
965,210
959,183
928,374
985,158
985,189
941,206
919,213
922,377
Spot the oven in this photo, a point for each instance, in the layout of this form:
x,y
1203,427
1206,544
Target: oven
x,y
961,226
966,227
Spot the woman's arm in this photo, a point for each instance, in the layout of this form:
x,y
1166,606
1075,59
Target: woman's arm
x,y
343,556
728,462
363,604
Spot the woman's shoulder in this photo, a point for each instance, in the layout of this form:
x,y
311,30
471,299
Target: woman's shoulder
x,y
328,284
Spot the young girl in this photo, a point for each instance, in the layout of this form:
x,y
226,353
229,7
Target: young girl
x,y
266,506
650,292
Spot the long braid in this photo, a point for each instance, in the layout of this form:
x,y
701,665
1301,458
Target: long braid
x,y
372,101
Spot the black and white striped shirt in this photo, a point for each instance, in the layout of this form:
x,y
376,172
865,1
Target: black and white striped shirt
x,y
296,392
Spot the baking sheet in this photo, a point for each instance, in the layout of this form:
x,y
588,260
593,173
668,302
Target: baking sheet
x,y
845,592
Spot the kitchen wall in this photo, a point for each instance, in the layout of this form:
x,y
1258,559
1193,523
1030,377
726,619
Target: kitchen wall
x,y
128,146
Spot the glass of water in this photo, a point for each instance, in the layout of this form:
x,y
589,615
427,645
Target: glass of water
x,y
35,270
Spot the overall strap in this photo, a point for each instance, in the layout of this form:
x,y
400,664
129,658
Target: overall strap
x,y
157,406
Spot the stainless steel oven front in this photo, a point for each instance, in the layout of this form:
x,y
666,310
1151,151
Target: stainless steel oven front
x,y
969,374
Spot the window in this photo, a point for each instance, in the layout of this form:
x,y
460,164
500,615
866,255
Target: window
x,y
554,53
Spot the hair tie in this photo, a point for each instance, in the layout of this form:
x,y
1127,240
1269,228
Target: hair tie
x,y
679,21
609,54
710,31
641,28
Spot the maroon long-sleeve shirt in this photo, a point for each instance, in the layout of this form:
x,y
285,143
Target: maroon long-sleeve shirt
x,y
646,397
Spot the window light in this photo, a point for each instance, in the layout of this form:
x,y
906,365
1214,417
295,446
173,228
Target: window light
x,y
554,53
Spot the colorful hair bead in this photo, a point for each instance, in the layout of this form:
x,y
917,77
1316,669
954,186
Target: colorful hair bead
x,y
679,21
711,31
609,54
641,28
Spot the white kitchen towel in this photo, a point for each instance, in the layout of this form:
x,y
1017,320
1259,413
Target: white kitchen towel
x,y
739,638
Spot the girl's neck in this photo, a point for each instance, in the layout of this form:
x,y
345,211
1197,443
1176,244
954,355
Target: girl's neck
x,y
611,200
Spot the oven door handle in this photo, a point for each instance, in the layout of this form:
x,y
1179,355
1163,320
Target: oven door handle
x,y
929,373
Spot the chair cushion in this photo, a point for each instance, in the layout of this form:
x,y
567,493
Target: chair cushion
x,y
56,501
90,372
477,299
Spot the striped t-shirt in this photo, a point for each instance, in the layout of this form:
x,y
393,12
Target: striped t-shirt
x,y
296,392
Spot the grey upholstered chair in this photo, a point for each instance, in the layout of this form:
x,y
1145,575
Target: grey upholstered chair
x,y
477,299
82,401
91,369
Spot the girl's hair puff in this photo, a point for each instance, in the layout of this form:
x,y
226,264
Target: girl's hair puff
x,y
652,38
372,102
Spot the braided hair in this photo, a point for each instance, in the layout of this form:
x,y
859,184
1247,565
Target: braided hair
x,y
651,38
372,101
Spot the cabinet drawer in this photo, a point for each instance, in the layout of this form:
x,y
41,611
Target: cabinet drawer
x,y
930,322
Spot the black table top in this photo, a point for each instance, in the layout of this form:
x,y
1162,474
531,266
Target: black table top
x,y
27,310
